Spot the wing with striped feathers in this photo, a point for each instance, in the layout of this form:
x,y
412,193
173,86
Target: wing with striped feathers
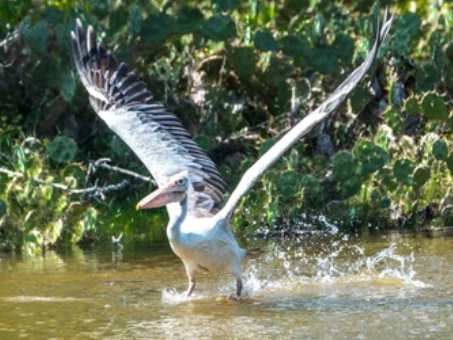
x,y
155,135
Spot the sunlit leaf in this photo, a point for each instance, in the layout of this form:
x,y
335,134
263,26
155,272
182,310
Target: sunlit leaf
x,y
421,175
370,156
434,107
402,170
440,150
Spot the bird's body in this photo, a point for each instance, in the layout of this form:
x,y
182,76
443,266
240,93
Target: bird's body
x,y
189,184
204,244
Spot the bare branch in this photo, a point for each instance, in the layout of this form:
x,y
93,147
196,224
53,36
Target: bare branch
x,y
97,191
102,163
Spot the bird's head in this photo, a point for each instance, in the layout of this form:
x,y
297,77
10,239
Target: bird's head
x,y
174,191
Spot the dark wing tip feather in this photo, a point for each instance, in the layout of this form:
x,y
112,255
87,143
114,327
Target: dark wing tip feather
x,y
112,86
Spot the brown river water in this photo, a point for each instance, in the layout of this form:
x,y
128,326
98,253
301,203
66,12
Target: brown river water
x,y
320,288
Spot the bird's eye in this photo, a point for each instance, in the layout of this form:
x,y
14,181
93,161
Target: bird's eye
x,y
181,181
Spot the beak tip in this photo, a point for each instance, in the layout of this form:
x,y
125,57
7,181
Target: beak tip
x,y
138,206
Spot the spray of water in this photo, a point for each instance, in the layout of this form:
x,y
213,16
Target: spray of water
x,y
315,262
335,263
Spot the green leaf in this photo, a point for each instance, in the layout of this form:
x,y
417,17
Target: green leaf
x,y
323,59
449,77
188,20
278,71
135,19
412,107
53,15
243,60
359,99
394,119
421,175
264,41
287,184
218,28
350,187
402,170
36,36
157,28
293,46
266,146
388,179
63,32
385,203
344,47
407,28
426,77
370,156
344,165
440,150
2,208
224,5
434,107
450,162
67,85
62,149
312,190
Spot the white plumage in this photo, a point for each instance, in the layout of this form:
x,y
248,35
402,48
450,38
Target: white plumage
x,y
190,185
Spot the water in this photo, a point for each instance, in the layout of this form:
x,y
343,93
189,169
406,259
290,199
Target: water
x,y
334,288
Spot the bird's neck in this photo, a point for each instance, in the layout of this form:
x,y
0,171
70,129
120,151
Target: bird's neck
x,y
177,214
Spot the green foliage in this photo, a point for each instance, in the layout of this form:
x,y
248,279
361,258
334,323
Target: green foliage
x,y
344,165
434,107
371,157
440,149
264,41
62,149
231,70
36,214
402,170
219,28
421,176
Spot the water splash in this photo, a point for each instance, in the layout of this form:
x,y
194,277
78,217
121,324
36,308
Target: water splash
x,y
325,262
321,262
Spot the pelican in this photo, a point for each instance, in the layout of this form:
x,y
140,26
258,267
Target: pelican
x,y
189,184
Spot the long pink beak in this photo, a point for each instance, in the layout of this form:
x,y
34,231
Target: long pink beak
x,y
159,198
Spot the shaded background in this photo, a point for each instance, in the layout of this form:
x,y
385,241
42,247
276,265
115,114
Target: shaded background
x,y
238,74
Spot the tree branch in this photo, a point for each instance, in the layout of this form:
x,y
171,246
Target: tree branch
x,y
95,190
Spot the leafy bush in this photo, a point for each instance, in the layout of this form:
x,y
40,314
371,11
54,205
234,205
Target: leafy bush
x,y
233,71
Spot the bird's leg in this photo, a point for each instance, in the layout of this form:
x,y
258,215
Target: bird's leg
x,y
191,277
238,287
191,286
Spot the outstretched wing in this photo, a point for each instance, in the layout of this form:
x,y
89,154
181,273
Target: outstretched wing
x,y
155,135
306,124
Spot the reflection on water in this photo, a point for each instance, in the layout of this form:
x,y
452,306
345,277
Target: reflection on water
x,y
319,287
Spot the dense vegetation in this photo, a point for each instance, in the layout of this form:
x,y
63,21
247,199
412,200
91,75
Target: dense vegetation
x,y
239,74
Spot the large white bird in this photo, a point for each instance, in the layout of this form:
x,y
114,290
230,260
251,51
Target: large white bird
x,y
189,184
